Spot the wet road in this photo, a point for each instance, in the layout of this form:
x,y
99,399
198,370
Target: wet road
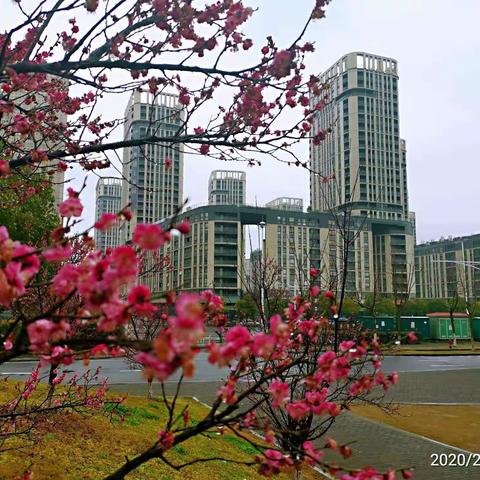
x,y
118,370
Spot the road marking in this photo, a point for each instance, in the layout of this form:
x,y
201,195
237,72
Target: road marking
x,y
443,365
15,373
131,370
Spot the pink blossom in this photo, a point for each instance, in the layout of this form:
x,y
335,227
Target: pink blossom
x,y
71,207
39,332
91,5
280,393
298,409
189,323
329,294
100,349
65,280
154,367
58,253
59,355
4,168
393,377
227,392
106,221
139,297
314,272
263,345
273,463
346,345
250,420
282,64
411,337
314,291
214,303
168,163
150,236
313,455
183,227
8,344
165,439
29,263
116,314
21,124
278,327
124,264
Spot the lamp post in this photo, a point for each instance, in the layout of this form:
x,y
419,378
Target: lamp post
x,y
262,272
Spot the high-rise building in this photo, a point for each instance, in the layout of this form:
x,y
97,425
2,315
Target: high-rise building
x,y
227,187
448,267
361,164
153,173
286,203
108,200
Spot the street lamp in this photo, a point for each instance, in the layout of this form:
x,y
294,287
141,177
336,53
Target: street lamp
x,y
262,273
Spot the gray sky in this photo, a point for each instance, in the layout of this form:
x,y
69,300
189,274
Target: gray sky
x,y
437,45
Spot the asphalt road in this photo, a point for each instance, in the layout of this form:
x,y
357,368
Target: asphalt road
x,y
118,371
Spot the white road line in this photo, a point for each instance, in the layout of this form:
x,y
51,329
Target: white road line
x,y
131,370
15,373
449,366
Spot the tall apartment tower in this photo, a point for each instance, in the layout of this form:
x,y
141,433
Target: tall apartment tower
x,y
108,200
153,174
363,151
226,187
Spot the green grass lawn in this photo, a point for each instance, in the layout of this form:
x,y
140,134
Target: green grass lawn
x,y
72,447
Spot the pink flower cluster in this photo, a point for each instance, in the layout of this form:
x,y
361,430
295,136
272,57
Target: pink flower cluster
x,y
42,332
71,207
18,265
273,462
176,345
99,279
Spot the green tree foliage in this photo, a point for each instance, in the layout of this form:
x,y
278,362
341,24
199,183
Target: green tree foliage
x,y
27,208
246,307
350,307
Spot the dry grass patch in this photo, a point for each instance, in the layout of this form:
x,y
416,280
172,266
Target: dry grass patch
x,y
78,447
451,424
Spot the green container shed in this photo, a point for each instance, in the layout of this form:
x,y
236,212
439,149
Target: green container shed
x,y
384,323
381,323
476,328
419,325
441,328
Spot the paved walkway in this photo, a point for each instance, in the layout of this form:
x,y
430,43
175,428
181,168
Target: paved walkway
x,y
448,386
378,444
382,446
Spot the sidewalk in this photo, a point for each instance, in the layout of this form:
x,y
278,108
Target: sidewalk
x,y
436,348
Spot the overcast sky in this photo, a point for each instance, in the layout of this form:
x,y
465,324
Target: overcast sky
x,y
437,45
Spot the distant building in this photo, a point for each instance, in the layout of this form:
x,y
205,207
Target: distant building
x,y
286,203
153,173
361,163
108,200
448,267
212,254
226,187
